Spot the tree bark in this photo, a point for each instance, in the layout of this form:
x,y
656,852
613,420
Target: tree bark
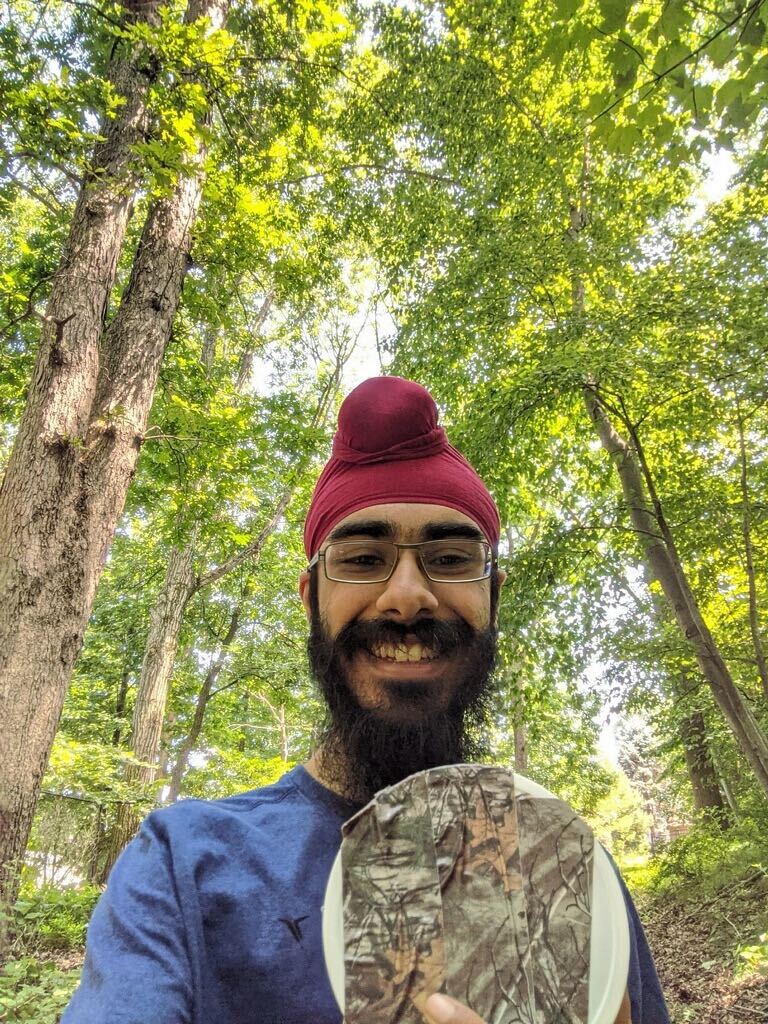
x,y
278,713
702,772
203,698
282,725
730,796
158,678
246,705
79,438
38,575
245,369
122,697
521,748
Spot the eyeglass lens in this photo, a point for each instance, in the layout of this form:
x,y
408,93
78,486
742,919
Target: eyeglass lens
x,y
372,561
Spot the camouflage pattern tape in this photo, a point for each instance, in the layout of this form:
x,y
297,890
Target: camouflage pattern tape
x,y
453,882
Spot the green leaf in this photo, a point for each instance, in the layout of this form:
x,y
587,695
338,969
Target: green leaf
x,y
674,17
727,93
624,139
566,8
669,56
721,49
753,32
739,112
614,13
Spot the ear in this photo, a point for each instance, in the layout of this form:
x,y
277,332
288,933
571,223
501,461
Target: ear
x,y
502,576
304,593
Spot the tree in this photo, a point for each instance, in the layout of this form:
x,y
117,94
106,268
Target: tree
x,y
87,408
166,81
619,820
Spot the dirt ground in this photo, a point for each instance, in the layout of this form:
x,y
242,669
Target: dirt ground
x,y
694,945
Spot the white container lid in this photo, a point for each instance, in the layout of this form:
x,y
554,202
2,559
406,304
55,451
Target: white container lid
x,y
609,941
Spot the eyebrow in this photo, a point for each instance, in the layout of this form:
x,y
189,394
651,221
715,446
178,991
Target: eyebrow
x,y
437,531
387,529
379,528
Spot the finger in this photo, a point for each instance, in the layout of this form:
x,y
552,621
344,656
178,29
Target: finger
x,y
625,1013
442,1009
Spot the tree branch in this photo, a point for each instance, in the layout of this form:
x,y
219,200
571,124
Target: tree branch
x,y
660,75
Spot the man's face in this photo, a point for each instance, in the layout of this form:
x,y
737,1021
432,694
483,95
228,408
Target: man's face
x,y
404,662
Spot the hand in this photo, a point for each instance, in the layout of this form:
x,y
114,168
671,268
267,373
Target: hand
x,y
442,1009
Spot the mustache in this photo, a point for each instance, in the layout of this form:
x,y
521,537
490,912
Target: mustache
x,y
444,636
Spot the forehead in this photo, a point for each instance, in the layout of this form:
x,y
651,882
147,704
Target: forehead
x,y
403,521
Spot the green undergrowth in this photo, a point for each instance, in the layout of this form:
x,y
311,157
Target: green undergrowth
x,y
701,863
52,920
704,900
48,934
35,991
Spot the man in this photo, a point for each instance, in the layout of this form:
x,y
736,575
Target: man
x,y
213,913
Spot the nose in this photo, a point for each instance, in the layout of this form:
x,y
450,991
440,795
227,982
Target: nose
x,y
407,593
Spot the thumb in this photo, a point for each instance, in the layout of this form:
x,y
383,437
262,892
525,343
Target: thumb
x,y
442,1009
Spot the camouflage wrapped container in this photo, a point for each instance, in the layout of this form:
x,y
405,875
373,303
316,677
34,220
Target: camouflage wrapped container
x,y
454,883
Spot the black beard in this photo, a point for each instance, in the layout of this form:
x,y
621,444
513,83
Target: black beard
x,y
361,750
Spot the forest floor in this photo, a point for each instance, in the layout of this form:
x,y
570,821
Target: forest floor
x,y
711,949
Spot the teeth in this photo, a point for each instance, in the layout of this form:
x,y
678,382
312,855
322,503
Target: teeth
x,y
404,652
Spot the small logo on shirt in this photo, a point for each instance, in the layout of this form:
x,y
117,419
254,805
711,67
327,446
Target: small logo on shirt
x,y
293,924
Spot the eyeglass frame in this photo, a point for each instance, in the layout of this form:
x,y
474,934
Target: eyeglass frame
x,y
491,561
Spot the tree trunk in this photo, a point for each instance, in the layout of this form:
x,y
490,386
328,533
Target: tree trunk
x,y
278,713
664,564
521,749
203,698
79,439
283,727
149,710
245,369
730,796
45,592
707,797
746,533
159,658
127,822
246,706
655,536
122,697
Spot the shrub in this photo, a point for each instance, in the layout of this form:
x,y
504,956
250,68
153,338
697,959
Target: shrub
x,y
709,858
33,992
51,919
752,959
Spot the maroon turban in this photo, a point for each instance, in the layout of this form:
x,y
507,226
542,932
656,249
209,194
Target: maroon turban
x,y
389,448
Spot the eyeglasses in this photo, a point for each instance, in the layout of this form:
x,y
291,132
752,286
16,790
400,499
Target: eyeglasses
x,y
374,561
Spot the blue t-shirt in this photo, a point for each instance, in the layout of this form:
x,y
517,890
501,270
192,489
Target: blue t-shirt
x,y
212,915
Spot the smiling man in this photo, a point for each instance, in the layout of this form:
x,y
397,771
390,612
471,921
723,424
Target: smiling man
x,y
401,602
213,913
